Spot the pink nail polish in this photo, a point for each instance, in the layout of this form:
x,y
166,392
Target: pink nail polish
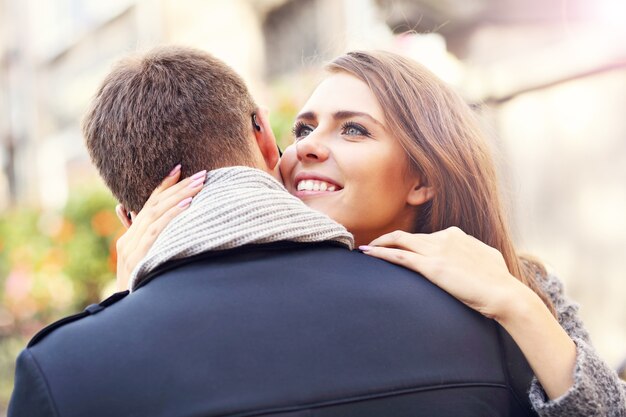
x,y
196,183
201,174
185,202
365,248
174,171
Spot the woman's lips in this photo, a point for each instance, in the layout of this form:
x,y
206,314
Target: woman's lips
x,y
309,184
315,185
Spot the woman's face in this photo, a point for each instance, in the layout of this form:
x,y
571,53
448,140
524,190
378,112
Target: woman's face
x,y
345,163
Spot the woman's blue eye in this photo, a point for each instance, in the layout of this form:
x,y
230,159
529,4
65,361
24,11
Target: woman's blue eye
x,y
301,130
354,129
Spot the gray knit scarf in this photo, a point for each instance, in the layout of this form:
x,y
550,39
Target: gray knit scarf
x,y
238,206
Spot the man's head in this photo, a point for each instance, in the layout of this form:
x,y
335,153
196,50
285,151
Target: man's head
x,y
172,105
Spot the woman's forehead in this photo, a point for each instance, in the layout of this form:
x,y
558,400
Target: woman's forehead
x,y
342,92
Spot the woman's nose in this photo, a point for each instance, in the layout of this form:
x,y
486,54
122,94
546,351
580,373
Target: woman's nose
x,y
311,149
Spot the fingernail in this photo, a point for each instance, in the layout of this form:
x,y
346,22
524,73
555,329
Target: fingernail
x,y
365,248
185,202
197,183
174,171
200,174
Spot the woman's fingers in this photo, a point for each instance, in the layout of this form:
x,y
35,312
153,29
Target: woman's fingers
x,y
168,200
405,258
424,243
156,227
133,245
171,179
163,199
399,239
434,269
164,188
468,269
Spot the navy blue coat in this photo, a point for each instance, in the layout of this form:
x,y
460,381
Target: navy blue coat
x,y
283,329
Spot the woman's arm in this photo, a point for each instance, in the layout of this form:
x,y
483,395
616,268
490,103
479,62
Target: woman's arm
x,y
549,350
477,275
597,390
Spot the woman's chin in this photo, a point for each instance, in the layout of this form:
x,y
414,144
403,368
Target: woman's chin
x,y
326,204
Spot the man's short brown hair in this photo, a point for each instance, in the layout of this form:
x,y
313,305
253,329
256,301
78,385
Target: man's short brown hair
x,y
172,105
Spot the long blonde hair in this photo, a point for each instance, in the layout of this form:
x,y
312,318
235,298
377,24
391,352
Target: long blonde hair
x,y
446,148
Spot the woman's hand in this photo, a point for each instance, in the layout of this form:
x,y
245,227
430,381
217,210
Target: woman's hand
x,y
168,200
471,271
477,275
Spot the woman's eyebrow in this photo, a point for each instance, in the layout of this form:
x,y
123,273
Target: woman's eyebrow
x,y
340,115
347,114
307,115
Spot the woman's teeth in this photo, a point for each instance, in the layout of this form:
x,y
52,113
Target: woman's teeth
x,y
314,185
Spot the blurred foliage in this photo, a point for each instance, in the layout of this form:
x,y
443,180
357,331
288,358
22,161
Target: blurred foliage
x,y
282,123
281,119
52,264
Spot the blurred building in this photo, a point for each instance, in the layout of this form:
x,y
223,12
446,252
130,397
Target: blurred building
x,y
54,54
550,80
548,77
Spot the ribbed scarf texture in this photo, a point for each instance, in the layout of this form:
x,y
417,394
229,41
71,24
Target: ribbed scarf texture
x,y
238,206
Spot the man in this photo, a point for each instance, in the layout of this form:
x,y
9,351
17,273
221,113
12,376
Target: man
x,y
249,303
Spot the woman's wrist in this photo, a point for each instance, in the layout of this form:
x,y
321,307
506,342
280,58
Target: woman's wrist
x,y
516,303
549,350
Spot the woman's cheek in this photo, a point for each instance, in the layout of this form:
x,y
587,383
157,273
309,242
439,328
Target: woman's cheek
x,y
287,163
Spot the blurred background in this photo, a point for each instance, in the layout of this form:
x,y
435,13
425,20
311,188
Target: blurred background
x,y
548,78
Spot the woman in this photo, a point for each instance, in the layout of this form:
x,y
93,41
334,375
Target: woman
x,y
389,151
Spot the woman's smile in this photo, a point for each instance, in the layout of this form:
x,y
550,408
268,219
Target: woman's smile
x,y
313,184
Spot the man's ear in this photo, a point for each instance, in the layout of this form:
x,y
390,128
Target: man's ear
x,y
420,193
265,138
122,215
